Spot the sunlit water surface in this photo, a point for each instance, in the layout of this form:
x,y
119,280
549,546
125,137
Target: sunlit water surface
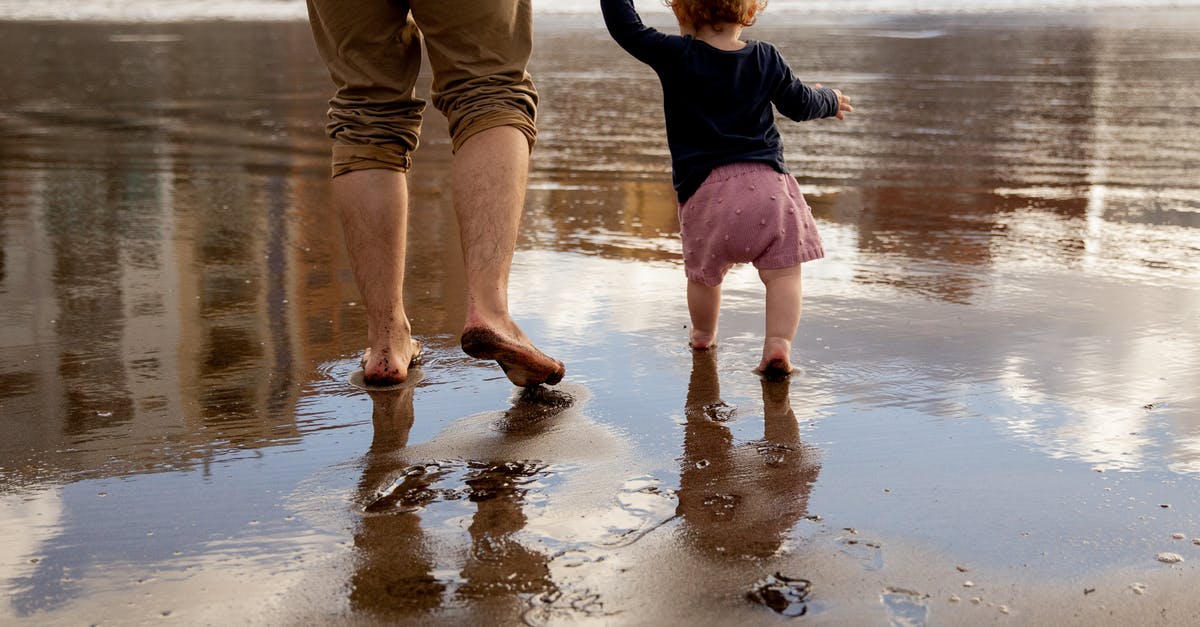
x,y
998,358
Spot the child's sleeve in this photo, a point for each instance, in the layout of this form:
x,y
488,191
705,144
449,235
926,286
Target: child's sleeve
x,y
644,43
798,101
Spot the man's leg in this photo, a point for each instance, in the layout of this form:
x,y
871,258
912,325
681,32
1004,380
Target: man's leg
x,y
373,53
479,50
783,318
373,208
490,172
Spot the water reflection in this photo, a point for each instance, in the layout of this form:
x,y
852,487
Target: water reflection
x,y
1012,276
395,571
741,499
173,275
398,572
966,174
152,298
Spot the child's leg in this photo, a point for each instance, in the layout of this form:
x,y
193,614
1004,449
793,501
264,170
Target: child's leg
x,y
704,305
783,318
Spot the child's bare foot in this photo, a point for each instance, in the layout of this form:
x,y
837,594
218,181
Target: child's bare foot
x,y
776,359
521,361
388,367
701,340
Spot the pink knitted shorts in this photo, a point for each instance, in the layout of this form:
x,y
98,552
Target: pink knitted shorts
x,y
746,213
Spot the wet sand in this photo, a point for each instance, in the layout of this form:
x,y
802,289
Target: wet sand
x,y
994,420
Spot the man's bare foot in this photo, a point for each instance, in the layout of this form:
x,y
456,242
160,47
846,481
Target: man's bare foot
x,y
523,364
776,359
388,368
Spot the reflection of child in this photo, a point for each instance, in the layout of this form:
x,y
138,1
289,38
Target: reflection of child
x,y
741,499
737,202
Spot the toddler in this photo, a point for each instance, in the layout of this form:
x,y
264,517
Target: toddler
x,y
737,201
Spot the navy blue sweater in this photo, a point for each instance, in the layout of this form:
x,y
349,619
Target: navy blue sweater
x,y
717,102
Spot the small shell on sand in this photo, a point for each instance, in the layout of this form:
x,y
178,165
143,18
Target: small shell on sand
x,y
1169,558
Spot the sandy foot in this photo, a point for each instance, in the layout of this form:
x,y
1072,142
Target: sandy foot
x,y
523,364
384,370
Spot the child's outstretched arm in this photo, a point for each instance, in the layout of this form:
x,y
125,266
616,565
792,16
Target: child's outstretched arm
x,y
800,102
644,43
843,103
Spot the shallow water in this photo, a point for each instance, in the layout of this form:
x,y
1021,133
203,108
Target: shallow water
x,y
999,356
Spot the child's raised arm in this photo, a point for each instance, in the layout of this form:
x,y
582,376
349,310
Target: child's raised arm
x,y
644,43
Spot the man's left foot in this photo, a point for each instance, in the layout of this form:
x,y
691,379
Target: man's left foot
x,y
522,362
387,369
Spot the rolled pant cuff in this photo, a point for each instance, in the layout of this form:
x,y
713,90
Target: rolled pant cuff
x,y
494,119
351,157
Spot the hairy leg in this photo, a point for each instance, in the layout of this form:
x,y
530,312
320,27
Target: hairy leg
x,y
783,318
373,208
490,172
704,306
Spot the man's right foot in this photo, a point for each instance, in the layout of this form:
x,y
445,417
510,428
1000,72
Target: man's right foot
x,y
385,369
523,364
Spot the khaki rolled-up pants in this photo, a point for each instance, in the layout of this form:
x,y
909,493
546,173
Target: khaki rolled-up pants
x,y
478,50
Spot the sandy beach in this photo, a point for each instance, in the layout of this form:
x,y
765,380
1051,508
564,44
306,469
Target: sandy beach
x,y
995,418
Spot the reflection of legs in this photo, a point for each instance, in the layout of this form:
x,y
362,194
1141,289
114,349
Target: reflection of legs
x,y
704,387
786,470
489,192
779,421
373,207
499,565
708,496
391,420
393,574
704,306
783,318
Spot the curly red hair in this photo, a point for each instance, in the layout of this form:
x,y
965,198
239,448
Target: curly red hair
x,y
700,13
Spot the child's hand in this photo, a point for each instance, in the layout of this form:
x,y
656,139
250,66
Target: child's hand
x,y
843,104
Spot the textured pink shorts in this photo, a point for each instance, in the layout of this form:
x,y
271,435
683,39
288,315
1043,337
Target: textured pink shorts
x,y
746,213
